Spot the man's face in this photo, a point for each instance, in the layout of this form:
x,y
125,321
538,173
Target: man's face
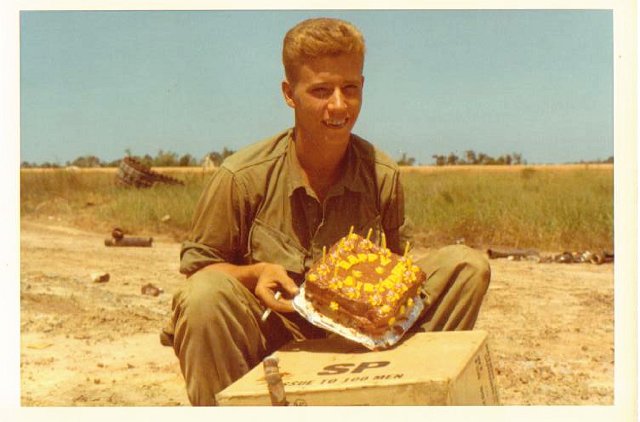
x,y
326,96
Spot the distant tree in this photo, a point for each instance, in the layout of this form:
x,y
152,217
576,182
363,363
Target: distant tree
x,y
473,158
406,161
165,159
517,158
439,159
86,161
112,163
218,157
452,159
186,160
470,157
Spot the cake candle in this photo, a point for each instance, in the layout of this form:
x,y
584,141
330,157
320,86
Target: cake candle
x,y
351,230
406,248
369,233
324,253
383,240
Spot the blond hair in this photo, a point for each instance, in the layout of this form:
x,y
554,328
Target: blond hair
x,y
319,37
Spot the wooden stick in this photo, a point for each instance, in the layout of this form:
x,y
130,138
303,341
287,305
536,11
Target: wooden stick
x,y
274,381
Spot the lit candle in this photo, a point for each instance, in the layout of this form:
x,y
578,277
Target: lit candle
x,y
324,253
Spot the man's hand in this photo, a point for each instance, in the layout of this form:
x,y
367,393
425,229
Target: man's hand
x,y
274,277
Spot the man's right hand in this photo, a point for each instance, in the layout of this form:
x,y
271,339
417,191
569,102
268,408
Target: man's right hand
x,y
273,278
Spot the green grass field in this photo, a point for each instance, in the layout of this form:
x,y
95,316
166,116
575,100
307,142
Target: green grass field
x,y
550,208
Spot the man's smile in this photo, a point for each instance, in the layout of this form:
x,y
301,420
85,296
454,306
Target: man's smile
x,y
336,123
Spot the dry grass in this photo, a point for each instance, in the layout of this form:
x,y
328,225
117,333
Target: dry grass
x,y
567,207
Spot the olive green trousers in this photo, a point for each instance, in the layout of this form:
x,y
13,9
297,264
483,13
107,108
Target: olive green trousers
x,y
218,335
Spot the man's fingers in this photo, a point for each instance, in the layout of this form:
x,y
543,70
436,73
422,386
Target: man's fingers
x,y
275,278
290,286
283,305
271,302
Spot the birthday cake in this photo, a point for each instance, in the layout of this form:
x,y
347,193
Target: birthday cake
x,y
364,286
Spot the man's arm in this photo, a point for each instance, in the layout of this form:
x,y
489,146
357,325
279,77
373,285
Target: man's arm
x,y
263,279
220,227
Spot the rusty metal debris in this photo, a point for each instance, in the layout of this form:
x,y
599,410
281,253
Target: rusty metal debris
x,y
563,258
514,254
132,172
118,239
581,257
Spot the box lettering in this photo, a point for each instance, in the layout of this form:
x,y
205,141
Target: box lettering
x,y
341,368
336,368
368,365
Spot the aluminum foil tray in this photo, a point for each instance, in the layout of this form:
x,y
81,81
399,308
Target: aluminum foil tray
x,y
388,339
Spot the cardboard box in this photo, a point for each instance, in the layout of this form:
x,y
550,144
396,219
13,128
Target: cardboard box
x,y
443,368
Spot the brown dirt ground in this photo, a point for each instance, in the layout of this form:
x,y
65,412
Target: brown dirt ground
x,y
83,343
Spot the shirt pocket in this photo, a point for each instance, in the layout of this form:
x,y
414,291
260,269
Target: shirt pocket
x,y
267,244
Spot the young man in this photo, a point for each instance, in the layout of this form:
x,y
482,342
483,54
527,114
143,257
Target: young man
x,y
269,210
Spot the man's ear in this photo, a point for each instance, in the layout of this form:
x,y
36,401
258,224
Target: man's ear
x,y
287,92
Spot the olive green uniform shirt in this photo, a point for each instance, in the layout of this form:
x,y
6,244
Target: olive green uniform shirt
x,y
256,208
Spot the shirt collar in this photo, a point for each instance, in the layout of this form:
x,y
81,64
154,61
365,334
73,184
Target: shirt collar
x,y
351,179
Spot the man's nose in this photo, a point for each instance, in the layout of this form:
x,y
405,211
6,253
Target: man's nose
x,y
337,101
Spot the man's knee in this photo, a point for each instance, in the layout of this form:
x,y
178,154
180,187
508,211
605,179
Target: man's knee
x,y
473,261
205,297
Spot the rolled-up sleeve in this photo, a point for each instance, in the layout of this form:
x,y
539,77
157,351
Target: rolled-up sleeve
x,y
218,224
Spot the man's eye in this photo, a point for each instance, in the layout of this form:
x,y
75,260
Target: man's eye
x,y
321,92
351,89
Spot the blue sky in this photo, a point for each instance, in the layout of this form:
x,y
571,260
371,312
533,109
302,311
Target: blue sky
x,y
538,83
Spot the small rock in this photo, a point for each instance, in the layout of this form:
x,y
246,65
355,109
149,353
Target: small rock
x,y
151,290
99,277
96,380
165,218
